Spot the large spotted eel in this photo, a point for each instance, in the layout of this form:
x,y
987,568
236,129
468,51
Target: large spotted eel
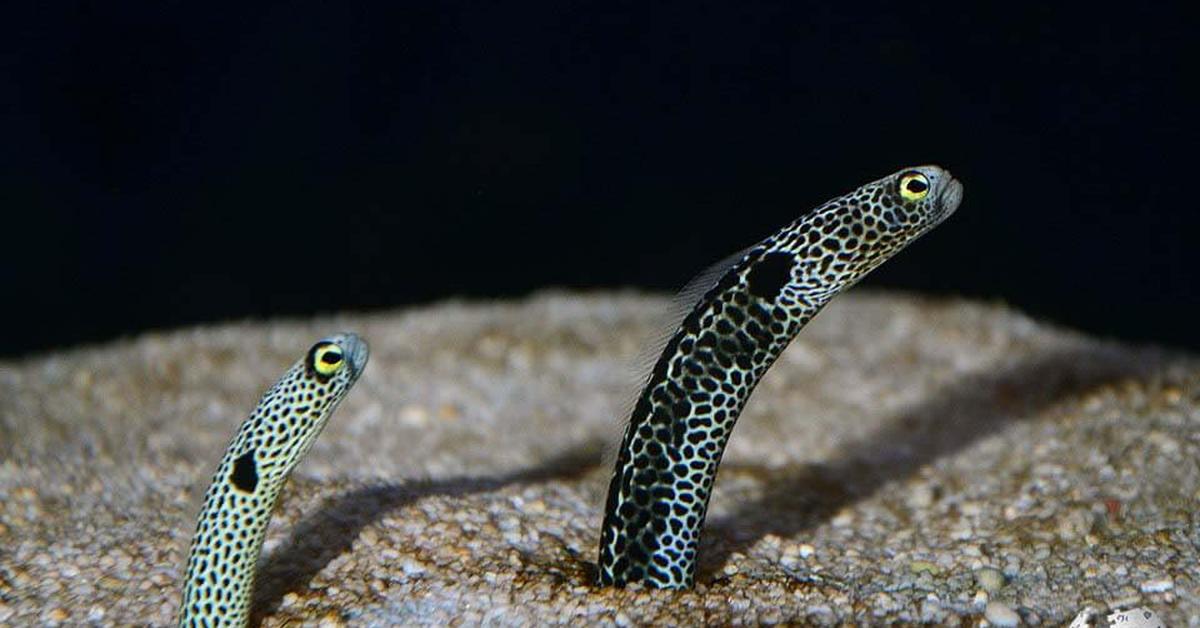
x,y
747,312
237,507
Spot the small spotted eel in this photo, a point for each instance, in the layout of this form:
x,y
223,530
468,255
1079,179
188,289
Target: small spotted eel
x,y
739,316
237,507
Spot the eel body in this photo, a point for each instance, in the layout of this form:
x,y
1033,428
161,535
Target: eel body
x,y
230,528
745,315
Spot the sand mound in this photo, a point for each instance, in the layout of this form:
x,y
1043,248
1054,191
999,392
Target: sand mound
x,y
906,460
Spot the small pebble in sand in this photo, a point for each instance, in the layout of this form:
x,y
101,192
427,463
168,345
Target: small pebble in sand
x,y
999,614
990,579
1157,586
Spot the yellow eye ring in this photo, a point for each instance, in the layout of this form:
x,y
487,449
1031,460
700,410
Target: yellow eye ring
x,y
914,186
326,358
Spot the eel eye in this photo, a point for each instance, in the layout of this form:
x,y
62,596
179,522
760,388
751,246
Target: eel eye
x,y
914,186
326,359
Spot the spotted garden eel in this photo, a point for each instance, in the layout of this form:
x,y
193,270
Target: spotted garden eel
x,y
748,310
237,507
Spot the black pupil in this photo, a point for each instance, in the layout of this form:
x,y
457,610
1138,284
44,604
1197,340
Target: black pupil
x,y
916,186
332,357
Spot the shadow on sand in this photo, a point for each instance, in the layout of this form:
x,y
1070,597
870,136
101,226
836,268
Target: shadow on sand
x,y
800,498
332,529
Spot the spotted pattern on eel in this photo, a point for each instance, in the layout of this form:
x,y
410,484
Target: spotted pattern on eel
x,y
238,504
747,312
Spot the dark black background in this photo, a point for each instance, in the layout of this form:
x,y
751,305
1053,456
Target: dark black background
x,y
168,164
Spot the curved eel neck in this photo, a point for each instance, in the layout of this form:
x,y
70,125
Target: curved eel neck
x,y
659,492
225,550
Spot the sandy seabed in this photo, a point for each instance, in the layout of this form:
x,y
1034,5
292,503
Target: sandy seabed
x,y
907,460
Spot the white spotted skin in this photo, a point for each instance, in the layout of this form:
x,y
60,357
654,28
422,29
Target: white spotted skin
x,y
667,462
229,531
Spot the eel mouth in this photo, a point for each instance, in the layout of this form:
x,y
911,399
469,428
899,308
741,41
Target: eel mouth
x,y
950,197
952,194
357,350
